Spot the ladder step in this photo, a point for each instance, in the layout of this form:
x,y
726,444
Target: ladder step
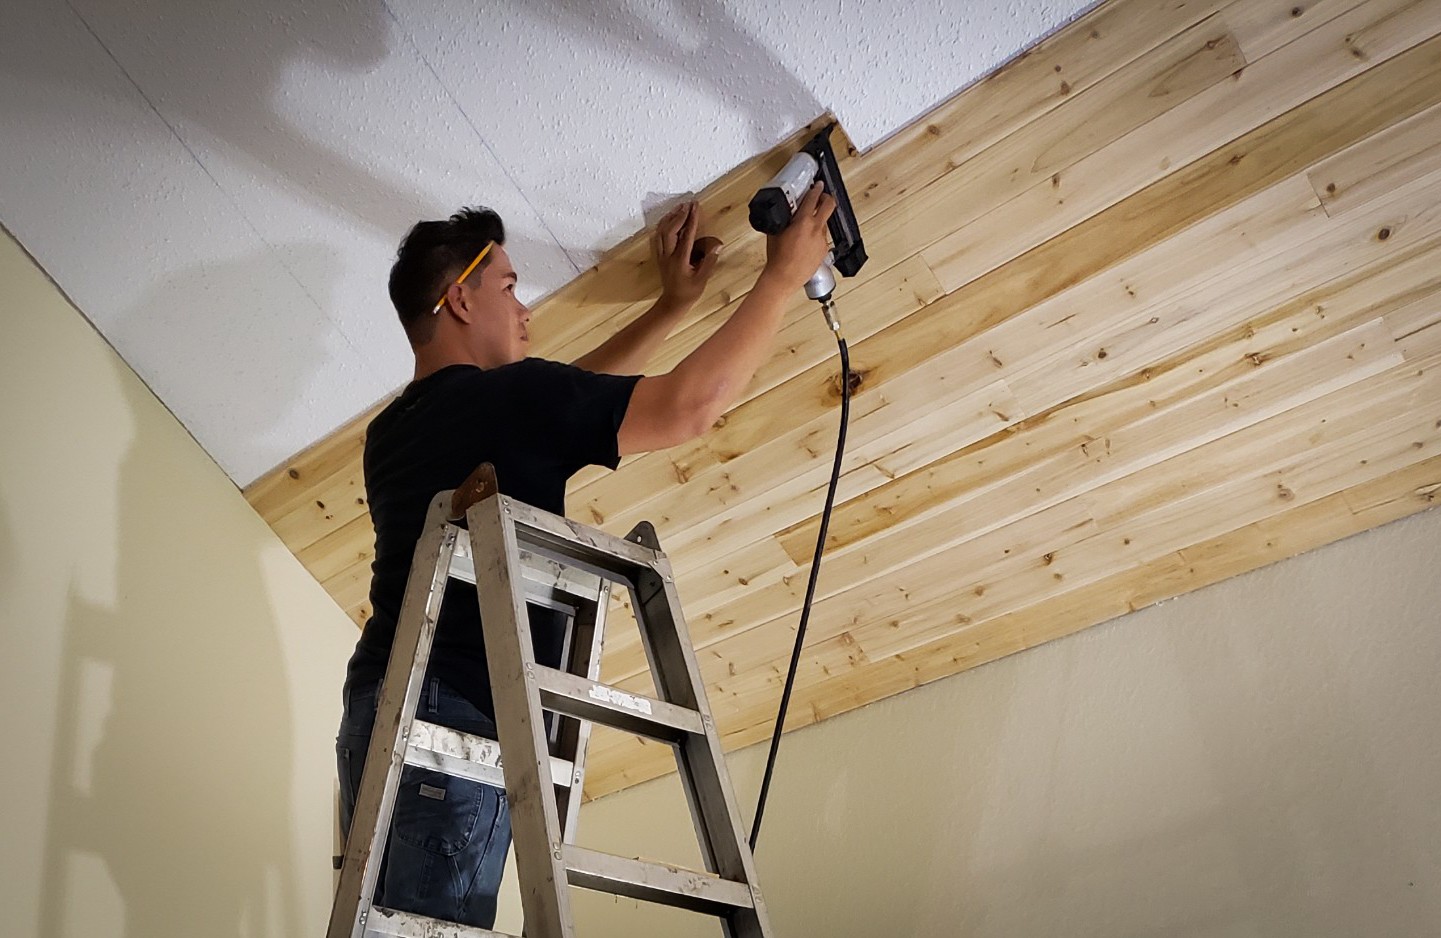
x,y
574,696
467,756
544,577
587,547
655,882
394,924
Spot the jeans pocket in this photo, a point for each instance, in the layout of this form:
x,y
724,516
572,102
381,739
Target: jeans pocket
x,y
436,812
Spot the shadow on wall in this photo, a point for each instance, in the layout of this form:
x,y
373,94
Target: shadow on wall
x,y
173,752
240,83
229,64
725,62
276,359
230,70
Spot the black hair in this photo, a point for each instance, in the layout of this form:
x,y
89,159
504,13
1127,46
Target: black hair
x,y
431,256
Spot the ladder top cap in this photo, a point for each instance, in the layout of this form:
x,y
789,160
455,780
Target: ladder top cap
x,y
477,487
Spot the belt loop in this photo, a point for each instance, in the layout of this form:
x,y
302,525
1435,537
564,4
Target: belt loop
x,y
434,694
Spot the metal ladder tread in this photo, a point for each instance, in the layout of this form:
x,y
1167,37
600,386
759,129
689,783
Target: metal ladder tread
x,y
392,923
468,756
575,696
565,540
544,576
659,883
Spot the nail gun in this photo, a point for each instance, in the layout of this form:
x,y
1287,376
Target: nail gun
x,y
773,206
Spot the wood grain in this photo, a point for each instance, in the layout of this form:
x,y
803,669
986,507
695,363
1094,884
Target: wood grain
x,y
1153,305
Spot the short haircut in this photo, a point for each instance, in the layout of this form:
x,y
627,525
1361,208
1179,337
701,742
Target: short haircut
x,y
431,256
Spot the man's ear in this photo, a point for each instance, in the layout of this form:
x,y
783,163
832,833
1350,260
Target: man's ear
x,y
459,303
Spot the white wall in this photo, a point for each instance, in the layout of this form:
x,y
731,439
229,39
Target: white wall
x,y
1258,758
169,685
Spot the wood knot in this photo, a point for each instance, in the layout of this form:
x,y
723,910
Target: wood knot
x,y
1383,234
857,380
293,473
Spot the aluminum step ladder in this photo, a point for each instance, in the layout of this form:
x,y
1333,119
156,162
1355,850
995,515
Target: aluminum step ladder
x,y
516,553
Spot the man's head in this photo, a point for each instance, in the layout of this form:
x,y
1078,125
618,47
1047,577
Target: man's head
x,y
479,319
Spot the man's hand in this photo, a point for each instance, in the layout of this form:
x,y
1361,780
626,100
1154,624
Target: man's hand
x,y
685,261
794,255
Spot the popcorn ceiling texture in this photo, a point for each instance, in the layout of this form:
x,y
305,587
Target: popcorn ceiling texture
x,y
220,187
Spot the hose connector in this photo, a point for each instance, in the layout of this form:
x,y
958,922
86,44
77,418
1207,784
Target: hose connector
x,y
828,310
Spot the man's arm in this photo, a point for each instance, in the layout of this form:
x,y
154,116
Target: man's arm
x,y
626,352
682,282
670,409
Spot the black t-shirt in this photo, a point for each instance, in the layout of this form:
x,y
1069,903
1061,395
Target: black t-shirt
x,y
538,422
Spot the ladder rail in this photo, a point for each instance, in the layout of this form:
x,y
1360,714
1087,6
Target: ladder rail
x,y
535,827
400,692
699,757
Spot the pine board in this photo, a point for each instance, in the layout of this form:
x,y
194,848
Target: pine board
x,y
1155,304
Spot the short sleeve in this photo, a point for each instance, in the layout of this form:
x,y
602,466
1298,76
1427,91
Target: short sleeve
x,y
568,412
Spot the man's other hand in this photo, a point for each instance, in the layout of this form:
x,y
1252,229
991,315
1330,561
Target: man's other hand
x,y
686,262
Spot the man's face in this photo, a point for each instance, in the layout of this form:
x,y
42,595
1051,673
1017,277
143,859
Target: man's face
x,y
498,325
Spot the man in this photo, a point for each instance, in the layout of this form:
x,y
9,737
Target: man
x,y
477,398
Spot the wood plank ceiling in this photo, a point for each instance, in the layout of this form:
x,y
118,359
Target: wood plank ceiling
x,y
1154,305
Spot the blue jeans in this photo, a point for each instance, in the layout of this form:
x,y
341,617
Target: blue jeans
x,y
447,845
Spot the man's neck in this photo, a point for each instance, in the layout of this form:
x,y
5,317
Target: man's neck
x,y
428,361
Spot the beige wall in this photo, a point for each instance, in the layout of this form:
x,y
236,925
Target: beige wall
x,y
1260,758
170,675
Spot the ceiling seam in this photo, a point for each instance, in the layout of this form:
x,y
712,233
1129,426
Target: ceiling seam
x,y
478,135
94,327
279,258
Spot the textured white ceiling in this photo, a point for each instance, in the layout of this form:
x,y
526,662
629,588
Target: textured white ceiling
x,y
220,186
